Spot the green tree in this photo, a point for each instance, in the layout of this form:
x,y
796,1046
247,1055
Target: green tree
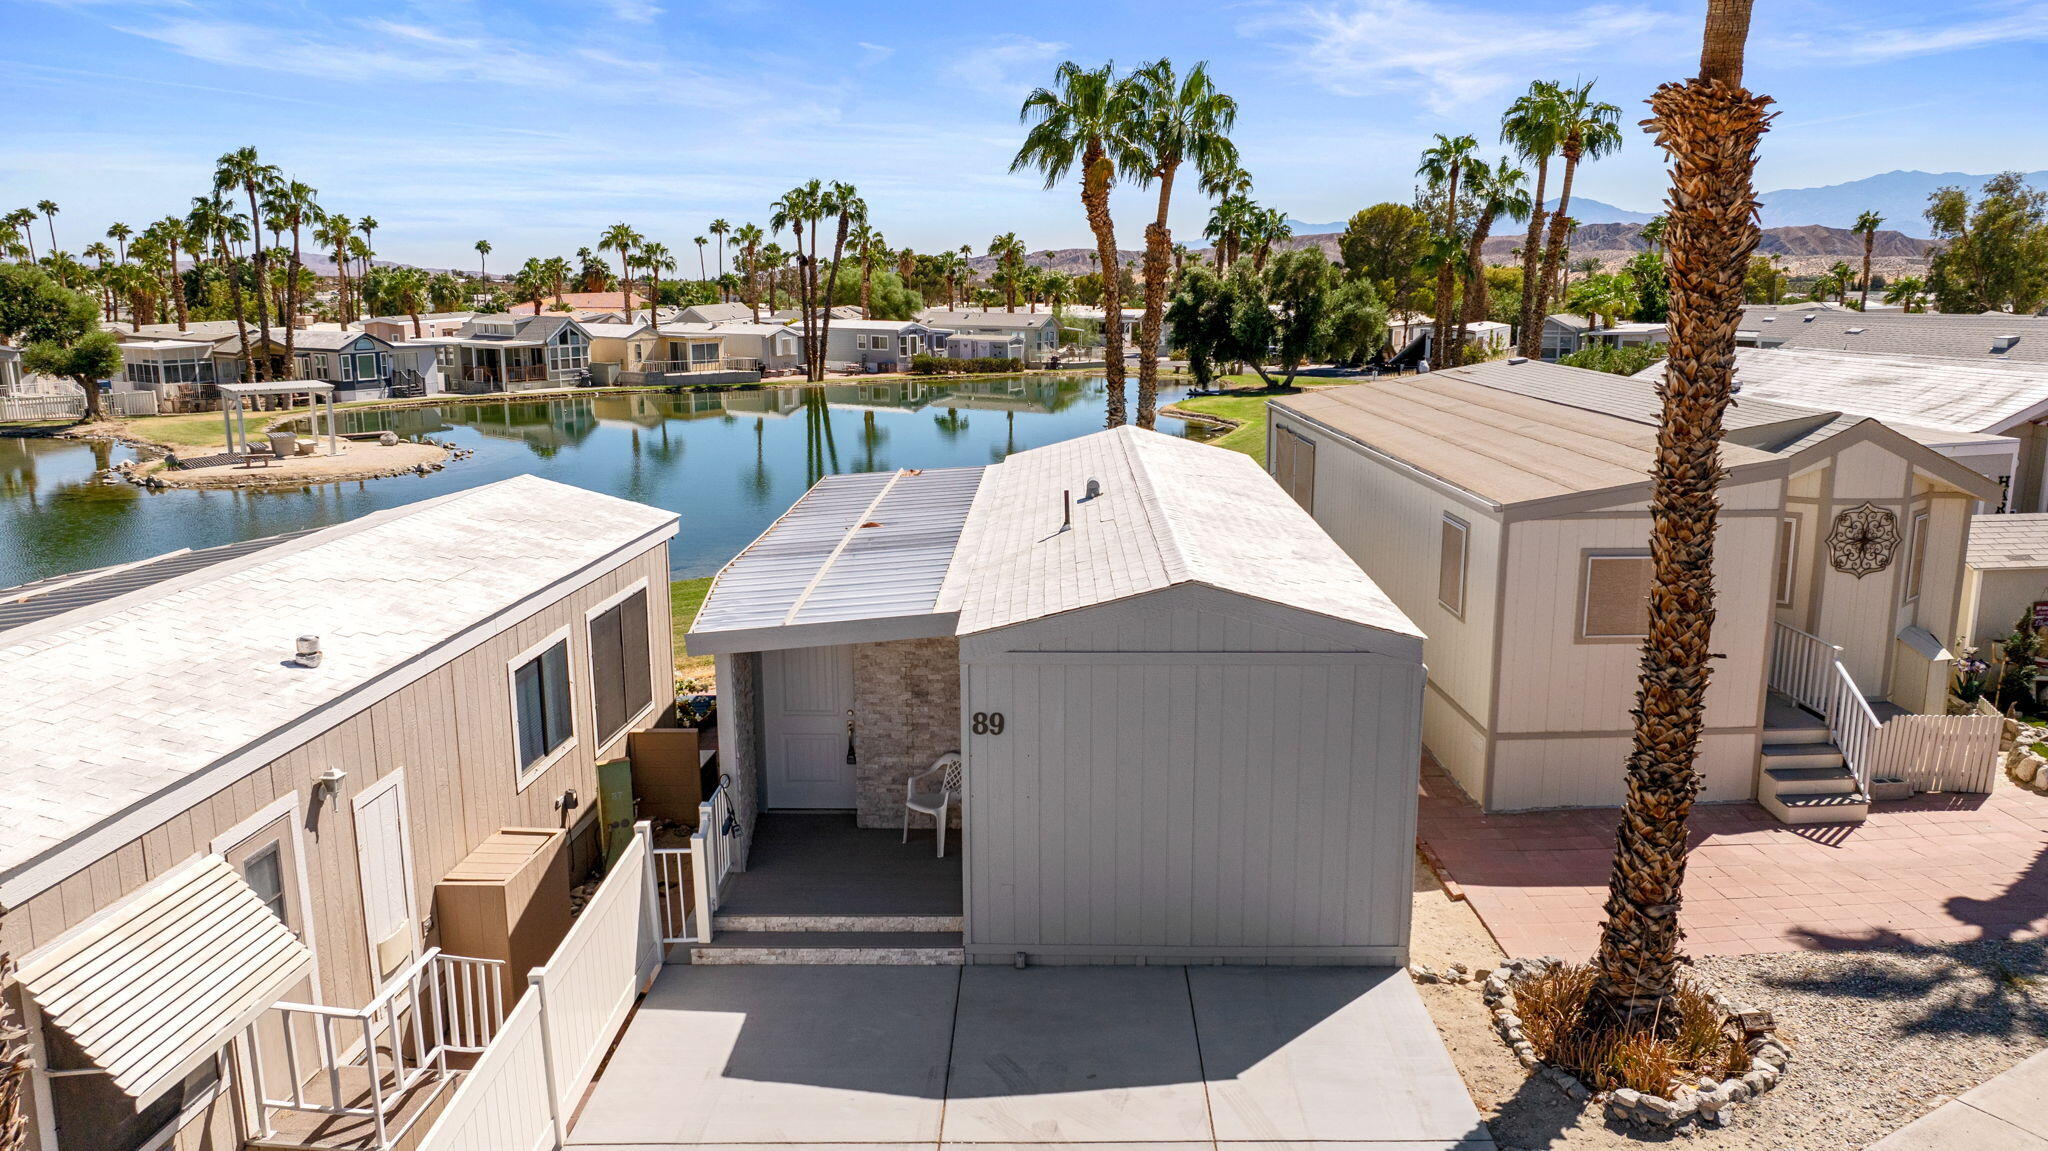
x,y
1008,251
483,251
1493,191
1534,125
1442,164
1906,292
1385,244
1355,323
1621,360
1993,254
1867,225
58,329
620,238
1199,315
1645,270
407,290
1299,286
242,170
1589,129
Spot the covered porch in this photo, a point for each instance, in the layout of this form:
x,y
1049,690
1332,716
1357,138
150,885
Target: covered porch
x,y
481,366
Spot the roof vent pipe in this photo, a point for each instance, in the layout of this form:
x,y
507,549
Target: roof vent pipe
x,y
307,651
1066,509
1093,490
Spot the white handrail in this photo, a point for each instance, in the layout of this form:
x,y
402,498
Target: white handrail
x,y
1800,663
1853,725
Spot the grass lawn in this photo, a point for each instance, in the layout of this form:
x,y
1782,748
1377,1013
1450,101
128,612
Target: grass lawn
x,y
685,597
1249,436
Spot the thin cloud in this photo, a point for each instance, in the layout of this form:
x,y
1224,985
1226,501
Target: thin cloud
x,y
1943,30
1010,65
1446,56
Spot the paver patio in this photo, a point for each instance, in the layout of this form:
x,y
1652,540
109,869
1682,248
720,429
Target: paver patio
x,y
986,1058
1931,869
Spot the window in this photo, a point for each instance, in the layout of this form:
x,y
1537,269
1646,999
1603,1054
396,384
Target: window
x,y
540,704
264,873
366,366
1916,560
1294,465
621,683
1788,540
348,368
1450,565
1615,603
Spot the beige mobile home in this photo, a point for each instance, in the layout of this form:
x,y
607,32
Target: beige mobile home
x,y
230,781
1514,530
1186,724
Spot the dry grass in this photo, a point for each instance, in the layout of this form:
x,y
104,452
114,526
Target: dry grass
x,y
1697,1043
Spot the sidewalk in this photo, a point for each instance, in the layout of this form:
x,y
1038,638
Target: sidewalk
x,y
2009,1113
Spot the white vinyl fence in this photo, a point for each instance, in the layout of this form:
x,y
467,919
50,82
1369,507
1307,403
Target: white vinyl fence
x,y
41,407
525,1085
706,861
1940,752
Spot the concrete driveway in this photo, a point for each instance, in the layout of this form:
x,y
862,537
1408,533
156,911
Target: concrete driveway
x,y
992,1058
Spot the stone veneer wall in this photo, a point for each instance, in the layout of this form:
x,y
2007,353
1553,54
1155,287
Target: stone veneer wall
x,y
906,714
739,702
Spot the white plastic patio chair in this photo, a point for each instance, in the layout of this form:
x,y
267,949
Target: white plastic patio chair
x,y
931,792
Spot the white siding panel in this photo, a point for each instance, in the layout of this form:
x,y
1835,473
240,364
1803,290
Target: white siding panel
x,y
1544,773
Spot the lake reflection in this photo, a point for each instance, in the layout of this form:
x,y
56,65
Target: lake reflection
x,y
727,462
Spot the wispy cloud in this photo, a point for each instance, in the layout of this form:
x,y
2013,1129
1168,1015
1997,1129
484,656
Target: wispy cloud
x,y
1914,30
1006,66
1444,55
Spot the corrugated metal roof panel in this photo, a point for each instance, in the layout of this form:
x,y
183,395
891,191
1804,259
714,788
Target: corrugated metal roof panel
x,y
159,984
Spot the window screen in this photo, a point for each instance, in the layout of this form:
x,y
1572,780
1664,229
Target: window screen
x,y
540,695
1617,597
619,674
1450,568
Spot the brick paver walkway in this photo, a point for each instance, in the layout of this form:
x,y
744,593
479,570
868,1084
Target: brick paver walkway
x,y
1932,869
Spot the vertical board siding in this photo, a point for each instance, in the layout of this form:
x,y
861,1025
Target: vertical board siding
x,y
451,730
1139,805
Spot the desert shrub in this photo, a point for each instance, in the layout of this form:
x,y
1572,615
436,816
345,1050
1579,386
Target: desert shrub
x,y
1656,1059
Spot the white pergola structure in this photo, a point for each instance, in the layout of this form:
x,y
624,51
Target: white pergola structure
x,y
233,408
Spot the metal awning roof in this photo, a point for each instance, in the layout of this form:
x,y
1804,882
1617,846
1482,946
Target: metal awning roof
x,y
154,987
859,558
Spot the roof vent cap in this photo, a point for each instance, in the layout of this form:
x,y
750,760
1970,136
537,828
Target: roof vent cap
x,y
1807,318
306,653
1855,331
2003,343
1513,360
1093,490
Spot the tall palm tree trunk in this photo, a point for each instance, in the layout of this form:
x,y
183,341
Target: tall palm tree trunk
x,y
262,287
241,313
1158,254
1096,173
291,328
1531,333
1553,248
1709,127
1869,242
1440,351
1475,301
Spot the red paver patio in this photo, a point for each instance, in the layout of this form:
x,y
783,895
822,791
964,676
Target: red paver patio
x,y
1932,869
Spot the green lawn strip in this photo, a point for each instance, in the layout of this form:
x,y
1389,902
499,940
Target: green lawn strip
x,y
1249,436
686,596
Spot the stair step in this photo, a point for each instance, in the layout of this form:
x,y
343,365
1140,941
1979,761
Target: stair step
x,y
845,948
1847,799
1792,782
1799,750
835,923
1853,807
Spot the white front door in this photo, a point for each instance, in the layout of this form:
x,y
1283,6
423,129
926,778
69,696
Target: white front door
x,y
807,703
384,855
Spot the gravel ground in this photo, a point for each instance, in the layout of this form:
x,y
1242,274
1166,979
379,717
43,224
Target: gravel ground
x,y
1880,1036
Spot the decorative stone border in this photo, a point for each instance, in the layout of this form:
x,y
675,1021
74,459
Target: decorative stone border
x,y
1708,1103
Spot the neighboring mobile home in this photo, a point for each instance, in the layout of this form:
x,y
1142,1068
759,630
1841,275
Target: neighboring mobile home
x,y
1514,530
1035,336
1158,671
2005,578
231,779
502,352
735,345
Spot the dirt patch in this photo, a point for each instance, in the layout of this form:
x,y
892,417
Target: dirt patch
x,y
357,461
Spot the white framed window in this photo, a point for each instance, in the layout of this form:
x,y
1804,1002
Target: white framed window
x,y
1614,596
263,871
1452,553
1916,559
621,674
366,365
543,717
1788,566
348,368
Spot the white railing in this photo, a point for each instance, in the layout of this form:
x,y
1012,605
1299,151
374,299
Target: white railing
x,y
1802,665
680,367
437,1005
41,407
524,1088
705,862
1940,752
1853,725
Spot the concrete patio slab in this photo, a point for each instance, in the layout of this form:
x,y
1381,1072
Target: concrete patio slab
x,y
2007,1113
805,1055
1326,1054
1076,1055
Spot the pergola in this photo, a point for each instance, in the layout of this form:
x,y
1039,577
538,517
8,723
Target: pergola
x,y
233,408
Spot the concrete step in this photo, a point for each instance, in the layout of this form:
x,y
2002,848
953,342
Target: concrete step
x,y
1804,809
1795,755
1791,781
835,923
1798,732
840,948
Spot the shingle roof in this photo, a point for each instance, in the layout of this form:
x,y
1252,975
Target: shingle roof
x,y
994,321
1964,395
1170,511
114,704
1940,334
30,602
1500,446
2008,541
324,341
711,313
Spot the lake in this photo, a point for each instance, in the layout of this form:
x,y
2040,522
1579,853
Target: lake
x,y
727,462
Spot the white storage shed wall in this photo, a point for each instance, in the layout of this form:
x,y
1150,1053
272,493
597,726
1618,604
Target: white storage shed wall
x,y
1390,519
1190,775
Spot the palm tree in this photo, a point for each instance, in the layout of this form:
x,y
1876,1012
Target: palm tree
x,y
334,231
23,221
49,210
1178,119
771,259
1085,119
1495,190
656,259
408,287
483,249
531,283
1905,292
242,169
293,204
1867,223
1534,127
211,219
720,228
1587,129
868,247
1442,164
843,201
622,239
557,270
1709,127
701,273
1268,227
119,233
100,253
170,232
368,227
1008,251
748,236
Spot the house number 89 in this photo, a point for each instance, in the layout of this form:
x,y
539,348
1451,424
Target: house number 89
x,y
988,723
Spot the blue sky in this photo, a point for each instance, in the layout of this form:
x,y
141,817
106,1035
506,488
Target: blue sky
x,y
536,125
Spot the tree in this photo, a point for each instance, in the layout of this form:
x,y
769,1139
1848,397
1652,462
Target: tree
x,y
119,233
1867,224
1085,119
656,258
749,238
1993,255
1385,244
1645,271
1200,318
843,201
243,170
293,204
1442,164
1495,191
1008,251
1709,127
1298,289
58,330
1534,127
720,228
1617,359
701,273
334,232
1606,297
869,249
483,250
532,283
1588,129
49,210
1355,322
407,291
211,218
1177,119
622,239
1763,283
1906,292
23,221
100,254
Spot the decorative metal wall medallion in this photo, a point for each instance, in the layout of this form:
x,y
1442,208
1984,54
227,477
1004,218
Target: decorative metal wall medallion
x,y
1864,540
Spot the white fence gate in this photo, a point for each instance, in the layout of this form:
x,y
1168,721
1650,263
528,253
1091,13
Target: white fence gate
x,y
524,1087
1940,752
41,407
708,860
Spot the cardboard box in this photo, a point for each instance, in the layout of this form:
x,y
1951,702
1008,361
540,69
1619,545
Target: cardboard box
x,y
668,773
509,900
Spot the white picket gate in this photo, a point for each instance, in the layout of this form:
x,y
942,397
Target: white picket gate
x,y
1940,752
